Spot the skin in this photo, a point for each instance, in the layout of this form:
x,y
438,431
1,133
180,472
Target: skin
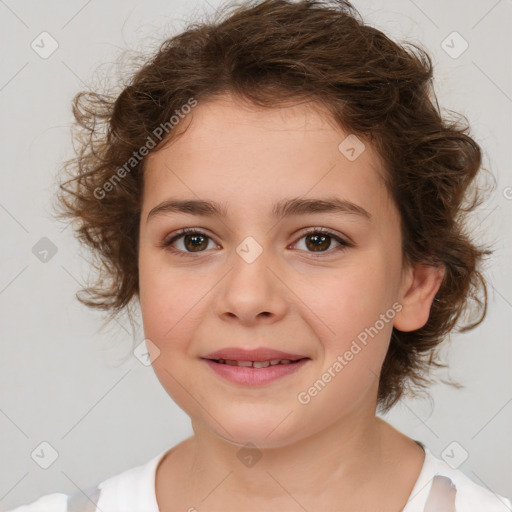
x,y
332,453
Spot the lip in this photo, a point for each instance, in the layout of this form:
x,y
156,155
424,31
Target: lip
x,y
257,354
255,376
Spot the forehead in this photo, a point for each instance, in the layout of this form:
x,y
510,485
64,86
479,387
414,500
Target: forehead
x,y
244,155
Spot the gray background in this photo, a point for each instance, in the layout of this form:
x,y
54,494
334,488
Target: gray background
x,y
66,382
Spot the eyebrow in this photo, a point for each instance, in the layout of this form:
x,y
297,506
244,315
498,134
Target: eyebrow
x,y
280,210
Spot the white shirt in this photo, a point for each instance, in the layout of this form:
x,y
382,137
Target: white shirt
x,y
133,490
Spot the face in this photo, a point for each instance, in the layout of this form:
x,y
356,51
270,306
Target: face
x,y
320,281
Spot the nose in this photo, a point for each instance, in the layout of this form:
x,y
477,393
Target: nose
x,y
252,292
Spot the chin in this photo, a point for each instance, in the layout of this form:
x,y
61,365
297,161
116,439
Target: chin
x,y
262,432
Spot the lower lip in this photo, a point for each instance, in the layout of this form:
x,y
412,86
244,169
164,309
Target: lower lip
x,y
254,376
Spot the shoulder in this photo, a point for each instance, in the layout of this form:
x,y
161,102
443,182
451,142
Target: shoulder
x,y
134,487
82,501
56,502
470,496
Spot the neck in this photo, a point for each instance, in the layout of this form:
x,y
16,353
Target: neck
x,y
364,464
337,459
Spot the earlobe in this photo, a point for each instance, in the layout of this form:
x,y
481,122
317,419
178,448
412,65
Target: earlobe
x,y
419,289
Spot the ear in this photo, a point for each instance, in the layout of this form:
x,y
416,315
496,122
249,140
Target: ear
x,y
419,287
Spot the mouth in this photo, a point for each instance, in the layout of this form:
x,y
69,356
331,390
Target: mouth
x,y
254,368
258,364
235,355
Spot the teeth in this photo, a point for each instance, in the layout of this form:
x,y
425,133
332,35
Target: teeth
x,y
238,363
261,364
255,364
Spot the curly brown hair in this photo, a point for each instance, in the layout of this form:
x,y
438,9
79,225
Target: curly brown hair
x,y
271,52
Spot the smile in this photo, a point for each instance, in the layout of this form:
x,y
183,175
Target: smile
x,y
253,373
255,364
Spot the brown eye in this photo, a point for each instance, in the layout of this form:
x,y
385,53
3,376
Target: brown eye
x,y
318,242
188,241
195,242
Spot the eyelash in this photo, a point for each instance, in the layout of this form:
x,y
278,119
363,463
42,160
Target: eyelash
x,y
167,243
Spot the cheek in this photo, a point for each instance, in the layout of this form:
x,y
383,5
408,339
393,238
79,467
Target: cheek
x,y
347,299
351,312
346,318
169,300
171,308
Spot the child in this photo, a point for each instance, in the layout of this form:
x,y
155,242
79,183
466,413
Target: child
x,y
279,194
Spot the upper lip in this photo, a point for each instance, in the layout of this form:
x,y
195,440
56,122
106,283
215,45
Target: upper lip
x,y
257,354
